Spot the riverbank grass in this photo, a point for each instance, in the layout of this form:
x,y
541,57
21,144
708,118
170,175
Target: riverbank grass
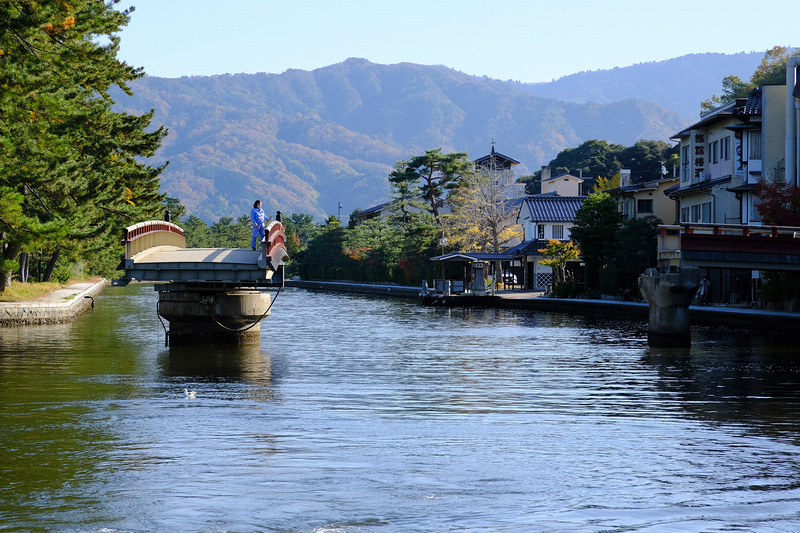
x,y
23,292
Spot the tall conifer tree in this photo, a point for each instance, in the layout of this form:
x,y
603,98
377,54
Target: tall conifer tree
x,y
69,164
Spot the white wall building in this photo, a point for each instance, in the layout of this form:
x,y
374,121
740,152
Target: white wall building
x,y
731,148
549,215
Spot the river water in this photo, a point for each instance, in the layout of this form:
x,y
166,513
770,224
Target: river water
x,y
360,414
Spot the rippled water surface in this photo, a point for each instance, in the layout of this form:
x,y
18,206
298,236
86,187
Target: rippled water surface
x,y
364,414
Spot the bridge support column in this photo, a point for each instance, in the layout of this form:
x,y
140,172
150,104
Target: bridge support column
x,y
669,295
207,316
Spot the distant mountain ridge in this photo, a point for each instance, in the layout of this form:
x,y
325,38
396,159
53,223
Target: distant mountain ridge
x,y
678,84
302,141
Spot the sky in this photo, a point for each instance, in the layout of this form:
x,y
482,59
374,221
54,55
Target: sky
x,y
524,40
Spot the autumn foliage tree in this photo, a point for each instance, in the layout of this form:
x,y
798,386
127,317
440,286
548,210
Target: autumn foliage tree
x,y
779,203
558,254
484,214
604,184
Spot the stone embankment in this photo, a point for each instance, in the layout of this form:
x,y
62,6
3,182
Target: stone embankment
x,y
396,291
61,305
718,316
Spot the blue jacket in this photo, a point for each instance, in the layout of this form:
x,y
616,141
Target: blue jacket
x,y
257,217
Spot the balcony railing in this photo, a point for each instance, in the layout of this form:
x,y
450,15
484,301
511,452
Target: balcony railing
x,y
726,239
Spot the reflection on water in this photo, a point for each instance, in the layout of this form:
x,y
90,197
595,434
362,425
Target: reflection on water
x,y
735,378
381,415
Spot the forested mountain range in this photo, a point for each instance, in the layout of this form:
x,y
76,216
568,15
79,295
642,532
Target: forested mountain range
x,y
678,84
303,141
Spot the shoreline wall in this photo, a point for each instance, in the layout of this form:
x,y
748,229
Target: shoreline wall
x,y
724,317
393,291
51,310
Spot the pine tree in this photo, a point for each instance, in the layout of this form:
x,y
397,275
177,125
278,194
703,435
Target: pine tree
x,y
433,173
67,160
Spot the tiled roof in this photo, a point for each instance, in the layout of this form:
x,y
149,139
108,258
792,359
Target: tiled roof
x,y
374,209
512,203
473,256
503,160
531,247
498,157
745,187
706,185
547,208
741,108
669,190
636,187
752,106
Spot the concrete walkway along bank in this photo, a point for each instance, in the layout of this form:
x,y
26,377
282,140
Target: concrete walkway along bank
x,y
61,305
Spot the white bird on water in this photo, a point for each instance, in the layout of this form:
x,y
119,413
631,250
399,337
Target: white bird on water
x,y
190,393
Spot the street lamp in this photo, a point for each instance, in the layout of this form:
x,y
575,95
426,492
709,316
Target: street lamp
x,y
443,243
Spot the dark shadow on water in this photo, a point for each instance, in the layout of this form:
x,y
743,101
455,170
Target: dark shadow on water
x,y
734,378
229,371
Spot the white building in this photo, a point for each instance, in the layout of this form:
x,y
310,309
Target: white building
x,y
731,148
727,152
638,200
549,215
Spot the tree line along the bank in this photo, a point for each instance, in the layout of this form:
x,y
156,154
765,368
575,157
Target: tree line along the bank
x,y
72,174
397,246
481,216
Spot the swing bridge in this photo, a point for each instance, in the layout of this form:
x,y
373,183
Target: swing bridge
x,y
207,295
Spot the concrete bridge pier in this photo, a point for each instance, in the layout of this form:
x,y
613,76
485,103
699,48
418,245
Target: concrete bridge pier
x,y
211,295
669,295
204,316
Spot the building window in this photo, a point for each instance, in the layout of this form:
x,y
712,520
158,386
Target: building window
x,y
558,231
705,212
712,151
752,202
755,145
725,149
541,231
644,206
684,214
695,213
624,209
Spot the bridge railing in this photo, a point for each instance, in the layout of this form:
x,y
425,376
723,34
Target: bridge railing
x,y
743,230
275,244
723,238
151,233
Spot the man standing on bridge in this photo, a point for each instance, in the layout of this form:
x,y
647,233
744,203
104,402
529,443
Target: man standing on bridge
x,y
257,217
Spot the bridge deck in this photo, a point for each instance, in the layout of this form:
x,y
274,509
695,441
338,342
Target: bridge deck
x,y
167,254
170,263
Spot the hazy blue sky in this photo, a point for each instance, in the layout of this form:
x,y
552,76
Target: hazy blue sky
x,y
525,40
